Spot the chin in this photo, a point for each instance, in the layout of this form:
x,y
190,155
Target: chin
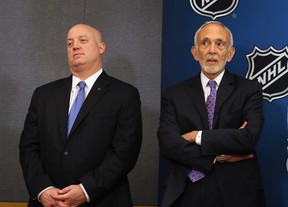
x,y
212,71
76,63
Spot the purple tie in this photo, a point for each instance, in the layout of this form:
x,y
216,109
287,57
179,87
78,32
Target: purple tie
x,y
194,174
76,105
211,101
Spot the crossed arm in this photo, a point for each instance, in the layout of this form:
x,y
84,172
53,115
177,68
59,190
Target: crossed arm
x,y
191,136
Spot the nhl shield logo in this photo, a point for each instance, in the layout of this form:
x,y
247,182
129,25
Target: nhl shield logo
x,y
214,8
270,68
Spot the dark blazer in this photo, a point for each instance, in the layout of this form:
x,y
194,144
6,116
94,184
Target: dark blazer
x,y
102,147
183,110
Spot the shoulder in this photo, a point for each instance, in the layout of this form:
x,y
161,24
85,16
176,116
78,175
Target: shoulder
x,y
119,89
241,82
119,85
55,84
188,84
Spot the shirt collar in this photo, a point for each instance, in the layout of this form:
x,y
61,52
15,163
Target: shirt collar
x,y
204,79
89,81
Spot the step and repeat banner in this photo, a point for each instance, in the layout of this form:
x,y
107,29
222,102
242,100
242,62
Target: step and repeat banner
x,y
260,31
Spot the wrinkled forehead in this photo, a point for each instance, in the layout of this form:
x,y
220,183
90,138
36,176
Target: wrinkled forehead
x,y
213,31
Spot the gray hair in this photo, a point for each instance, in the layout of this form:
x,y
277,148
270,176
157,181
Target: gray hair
x,y
214,22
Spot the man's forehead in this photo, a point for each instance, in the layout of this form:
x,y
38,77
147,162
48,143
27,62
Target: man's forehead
x,y
213,32
212,39
70,37
79,32
80,29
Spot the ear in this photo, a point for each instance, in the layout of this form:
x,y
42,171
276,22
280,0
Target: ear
x,y
102,47
194,53
230,54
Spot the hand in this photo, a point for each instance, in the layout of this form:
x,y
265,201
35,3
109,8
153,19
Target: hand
x,y
243,125
190,136
233,158
47,198
72,195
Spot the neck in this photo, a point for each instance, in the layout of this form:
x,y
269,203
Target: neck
x,y
83,73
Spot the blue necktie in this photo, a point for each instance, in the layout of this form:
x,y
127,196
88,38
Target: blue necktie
x,y
76,105
194,174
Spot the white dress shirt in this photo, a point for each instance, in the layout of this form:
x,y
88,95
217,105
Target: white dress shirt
x,y
89,84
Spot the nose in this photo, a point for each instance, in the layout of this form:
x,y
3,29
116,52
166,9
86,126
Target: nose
x,y
76,45
212,48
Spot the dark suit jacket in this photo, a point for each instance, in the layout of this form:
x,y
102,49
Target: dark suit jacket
x,y
184,110
102,147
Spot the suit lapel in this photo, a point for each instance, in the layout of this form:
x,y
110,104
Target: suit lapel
x,y
62,96
197,95
99,88
226,87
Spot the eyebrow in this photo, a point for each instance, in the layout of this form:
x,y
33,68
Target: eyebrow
x,y
78,37
218,39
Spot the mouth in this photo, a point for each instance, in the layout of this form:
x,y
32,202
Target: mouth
x,y
212,61
77,54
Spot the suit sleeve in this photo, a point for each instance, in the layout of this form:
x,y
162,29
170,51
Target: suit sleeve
x,y
228,138
30,157
124,151
172,145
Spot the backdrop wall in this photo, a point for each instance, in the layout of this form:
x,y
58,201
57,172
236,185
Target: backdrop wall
x,y
260,39
33,40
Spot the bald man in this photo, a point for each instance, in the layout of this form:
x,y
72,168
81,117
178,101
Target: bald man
x,y
85,163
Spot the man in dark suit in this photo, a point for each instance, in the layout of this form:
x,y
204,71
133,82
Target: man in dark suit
x,y
212,166
88,165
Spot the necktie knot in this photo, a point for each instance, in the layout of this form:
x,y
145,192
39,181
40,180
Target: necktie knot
x,y
212,84
81,85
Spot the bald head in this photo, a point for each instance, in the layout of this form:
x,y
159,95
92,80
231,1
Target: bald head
x,y
85,48
84,27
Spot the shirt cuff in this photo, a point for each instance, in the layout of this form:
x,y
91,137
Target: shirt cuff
x,y
198,138
43,192
86,194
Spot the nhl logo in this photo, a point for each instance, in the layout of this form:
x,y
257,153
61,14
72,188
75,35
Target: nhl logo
x,y
269,67
214,8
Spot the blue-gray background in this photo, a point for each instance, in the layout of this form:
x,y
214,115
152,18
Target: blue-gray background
x,y
33,45
260,23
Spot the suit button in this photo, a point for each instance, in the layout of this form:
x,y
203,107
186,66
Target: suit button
x,y
66,153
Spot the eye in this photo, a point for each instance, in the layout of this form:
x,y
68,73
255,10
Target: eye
x,y
70,44
220,44
205,43
83,40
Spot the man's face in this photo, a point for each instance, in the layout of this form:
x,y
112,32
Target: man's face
x,y
213,49
84,47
